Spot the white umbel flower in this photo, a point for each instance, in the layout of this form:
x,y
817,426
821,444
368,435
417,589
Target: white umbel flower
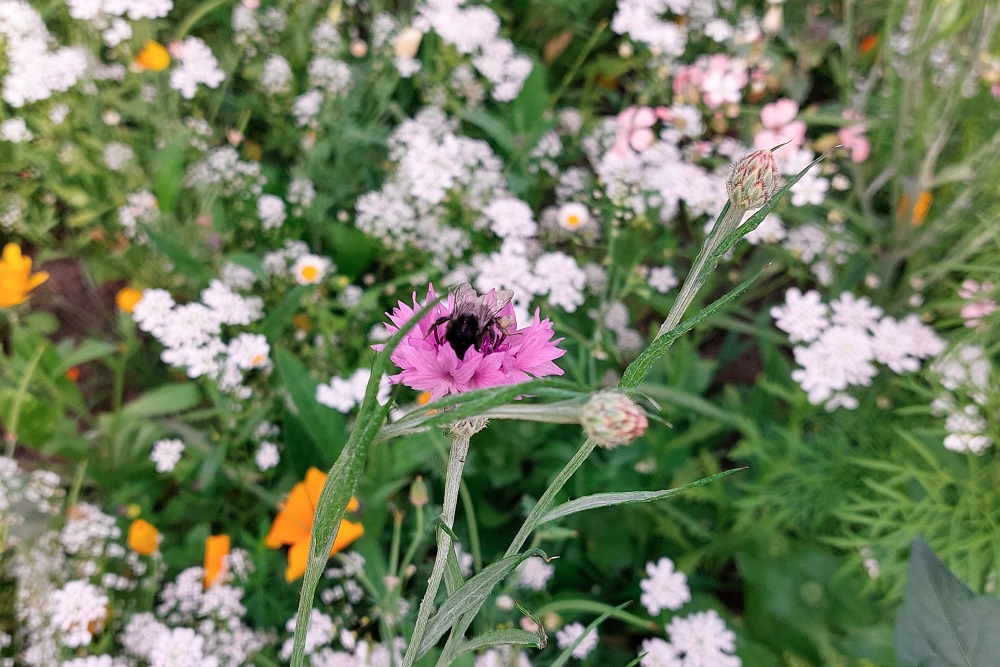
x,y
664,588
166,454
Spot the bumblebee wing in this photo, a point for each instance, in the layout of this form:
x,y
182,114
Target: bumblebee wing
x,y
465,298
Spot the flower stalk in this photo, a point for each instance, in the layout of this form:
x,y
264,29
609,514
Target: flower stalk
x,y
461,434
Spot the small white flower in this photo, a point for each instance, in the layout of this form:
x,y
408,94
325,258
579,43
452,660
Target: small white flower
x,y
664,588
267,456
572,216
166,454
663,279
534,574
569,634
271,211
310,269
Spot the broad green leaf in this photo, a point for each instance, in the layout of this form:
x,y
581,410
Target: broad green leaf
x,y
568,653
342,482
942,622
638,369
597,500
324,425
472,594
495,128
514,637
165,400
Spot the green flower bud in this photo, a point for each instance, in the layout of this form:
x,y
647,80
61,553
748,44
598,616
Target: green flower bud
x,y
753,180
612,419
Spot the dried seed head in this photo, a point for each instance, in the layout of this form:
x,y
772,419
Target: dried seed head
x,y
753,180
612,419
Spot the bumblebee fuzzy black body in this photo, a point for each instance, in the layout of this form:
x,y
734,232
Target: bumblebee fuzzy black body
x,y
463,332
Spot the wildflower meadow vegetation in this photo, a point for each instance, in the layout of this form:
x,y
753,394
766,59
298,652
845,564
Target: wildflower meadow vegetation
x,y
499,333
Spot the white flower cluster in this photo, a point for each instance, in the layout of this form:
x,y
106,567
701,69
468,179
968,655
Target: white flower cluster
x,y
664,587
140,209
659,178
195,64
569,634
964,378
34,72
643,21
844,341
503,656
473,31
40,490
533,574
343,394
323,635
66,584
192,334
435,171
617,320
166,454
108,16
698,640
16,131
194,625
224,169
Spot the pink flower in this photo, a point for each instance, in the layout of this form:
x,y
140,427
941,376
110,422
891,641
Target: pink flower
x,y
853,139
724,81
635,130
780,126
428,362
973,313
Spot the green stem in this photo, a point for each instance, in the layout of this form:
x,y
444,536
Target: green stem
x,y
19,398
461,435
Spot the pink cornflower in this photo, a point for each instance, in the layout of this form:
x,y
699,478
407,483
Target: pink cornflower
x,y
501,355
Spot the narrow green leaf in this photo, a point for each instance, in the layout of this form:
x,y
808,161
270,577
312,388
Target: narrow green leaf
x,y
597,500
324,425
474,592
88,350
942,622
568,653
512,637
164,400
638,369
342,482
563,606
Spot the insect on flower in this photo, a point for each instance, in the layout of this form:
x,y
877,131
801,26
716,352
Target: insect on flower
x,y
475,321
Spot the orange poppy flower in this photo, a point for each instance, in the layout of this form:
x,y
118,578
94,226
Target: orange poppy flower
x,y
294,523
216,550
143,537
154,57
15,276
126,299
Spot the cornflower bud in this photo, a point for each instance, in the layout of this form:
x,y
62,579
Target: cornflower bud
x,y
612,419
418,492
753,180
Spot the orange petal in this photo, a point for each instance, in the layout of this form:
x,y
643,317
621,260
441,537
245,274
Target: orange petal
x,y
315,479
143,537
285,530
216,549
36,280
12,253
348,533
353,505
300,505
298,556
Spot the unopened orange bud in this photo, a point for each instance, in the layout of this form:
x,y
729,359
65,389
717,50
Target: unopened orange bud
x,y
153,57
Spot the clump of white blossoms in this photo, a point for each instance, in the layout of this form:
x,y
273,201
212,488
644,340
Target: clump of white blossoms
x,y
16,131
343,394
271,211
78,610
474,31
664,587
192,334
35,71
650,22
325,634
569,634
844,340
698,640
533,574
963,376
223,169
195,65
166,454
267,456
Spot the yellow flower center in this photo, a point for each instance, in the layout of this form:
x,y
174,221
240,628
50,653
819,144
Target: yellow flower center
x,y
310,272
257,360
573,220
